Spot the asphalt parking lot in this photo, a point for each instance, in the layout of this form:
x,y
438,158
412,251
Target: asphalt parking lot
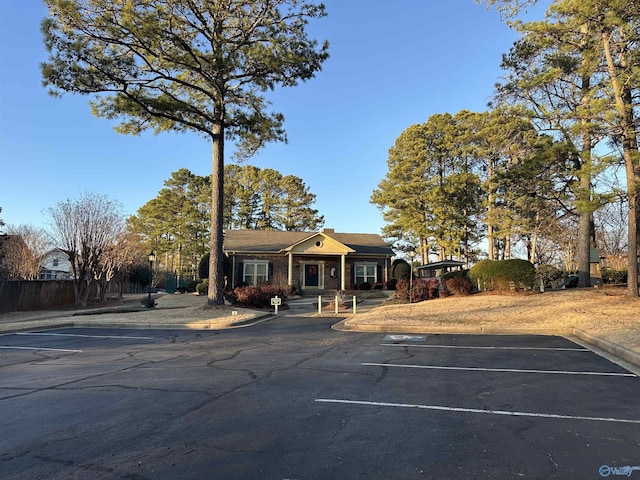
x,y
292,399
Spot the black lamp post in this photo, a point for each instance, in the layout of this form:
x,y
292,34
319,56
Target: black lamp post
x,y
152,258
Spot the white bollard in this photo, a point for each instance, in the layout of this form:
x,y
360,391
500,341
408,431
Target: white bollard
x,y
335,301
354,304
319,304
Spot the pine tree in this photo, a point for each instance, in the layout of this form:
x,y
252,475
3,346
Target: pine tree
x,y
185,65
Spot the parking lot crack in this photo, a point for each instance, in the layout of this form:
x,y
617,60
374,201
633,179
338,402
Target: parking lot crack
x,y
253,377
233,355
315,356
61,386
60,461
215,363
519,434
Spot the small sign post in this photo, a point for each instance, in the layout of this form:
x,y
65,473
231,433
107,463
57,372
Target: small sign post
x,y
276,301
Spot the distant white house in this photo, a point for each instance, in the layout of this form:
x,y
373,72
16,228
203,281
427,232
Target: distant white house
x,y
55,266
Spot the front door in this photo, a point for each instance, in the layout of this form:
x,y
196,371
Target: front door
x,y
312,275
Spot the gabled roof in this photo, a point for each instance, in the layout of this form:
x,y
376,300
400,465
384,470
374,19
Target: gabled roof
x,y
319,243
441,264
277,241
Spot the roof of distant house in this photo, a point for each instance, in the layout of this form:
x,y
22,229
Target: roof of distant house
x,y
275,241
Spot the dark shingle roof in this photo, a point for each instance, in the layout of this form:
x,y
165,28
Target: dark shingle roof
x,y
273,241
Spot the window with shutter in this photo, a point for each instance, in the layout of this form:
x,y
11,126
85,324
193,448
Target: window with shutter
x,y
256,272
365,272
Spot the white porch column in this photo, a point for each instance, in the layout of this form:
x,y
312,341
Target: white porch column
x,y
386,270
342,272
290,273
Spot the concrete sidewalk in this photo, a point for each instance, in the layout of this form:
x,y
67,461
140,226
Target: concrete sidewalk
x,y
171,311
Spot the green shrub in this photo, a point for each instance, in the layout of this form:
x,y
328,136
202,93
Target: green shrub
x,y
482,273
391,284
503,275
400,269
613,276
548,275
364,286
202,288
456,274
521,273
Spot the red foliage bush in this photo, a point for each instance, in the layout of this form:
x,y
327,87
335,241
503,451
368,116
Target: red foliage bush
x,y
421,289
459,285
255,297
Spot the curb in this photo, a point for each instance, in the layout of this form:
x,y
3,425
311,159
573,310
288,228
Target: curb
x,y
342,326
34,325
205,325
211,325
612,348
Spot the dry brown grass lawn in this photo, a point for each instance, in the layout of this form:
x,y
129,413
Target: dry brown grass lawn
x,y
608,313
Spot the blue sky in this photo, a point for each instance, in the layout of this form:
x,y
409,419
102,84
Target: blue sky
x,y
392,64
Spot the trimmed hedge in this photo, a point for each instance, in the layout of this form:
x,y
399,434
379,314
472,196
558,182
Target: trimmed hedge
x,y
548,275
503,275
400,269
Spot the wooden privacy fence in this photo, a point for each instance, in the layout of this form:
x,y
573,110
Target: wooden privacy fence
x,y
16,296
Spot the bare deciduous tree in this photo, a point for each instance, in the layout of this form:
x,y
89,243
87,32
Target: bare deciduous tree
x,y
117,261
23,256
85,229
612,235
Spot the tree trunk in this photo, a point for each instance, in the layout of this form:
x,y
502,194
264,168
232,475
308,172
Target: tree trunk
x,y
583,197
216,259
424,255
507,246
534,240
584,215
85,290
623,101
584,251
491,251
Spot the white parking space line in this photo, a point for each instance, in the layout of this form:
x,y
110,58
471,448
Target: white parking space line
x,y
117,337
559,349
507,370
10,347
476,410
